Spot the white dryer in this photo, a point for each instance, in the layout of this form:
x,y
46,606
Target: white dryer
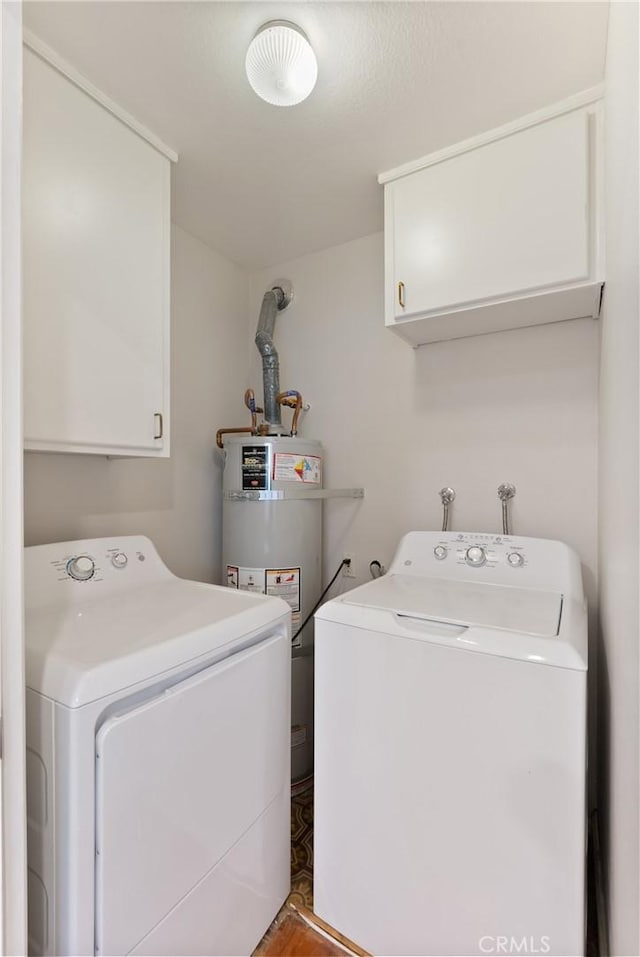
x,y
158,755
450,751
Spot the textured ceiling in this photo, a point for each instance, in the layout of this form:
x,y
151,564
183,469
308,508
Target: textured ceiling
x,y
263,184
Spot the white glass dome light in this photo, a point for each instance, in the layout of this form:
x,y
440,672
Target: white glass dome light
x,y
281,65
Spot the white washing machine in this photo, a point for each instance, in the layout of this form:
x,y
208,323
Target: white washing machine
x,y
450,754
158,755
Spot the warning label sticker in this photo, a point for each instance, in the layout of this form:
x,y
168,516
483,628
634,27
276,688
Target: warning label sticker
x,y
285,583
245,579
289,467
251,579
255,470
282,582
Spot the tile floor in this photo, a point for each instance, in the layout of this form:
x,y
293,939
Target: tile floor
x,y
302,847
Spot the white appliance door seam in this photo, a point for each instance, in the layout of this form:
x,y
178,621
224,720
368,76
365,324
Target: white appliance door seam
x,y
167,808
204,876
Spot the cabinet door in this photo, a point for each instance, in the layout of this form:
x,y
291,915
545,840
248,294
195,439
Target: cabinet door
x,y
96,261
495,221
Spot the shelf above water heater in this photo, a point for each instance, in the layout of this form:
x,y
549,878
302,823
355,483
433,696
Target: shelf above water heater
x,y
279,495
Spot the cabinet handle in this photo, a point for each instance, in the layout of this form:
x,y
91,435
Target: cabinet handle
x,y
401,294
158,425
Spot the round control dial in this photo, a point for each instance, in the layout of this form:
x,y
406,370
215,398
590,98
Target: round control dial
x,y
475,556
515,559
440,552
81,568
119,560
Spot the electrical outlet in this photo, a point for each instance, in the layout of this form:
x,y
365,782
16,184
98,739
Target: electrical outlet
x,y
349,570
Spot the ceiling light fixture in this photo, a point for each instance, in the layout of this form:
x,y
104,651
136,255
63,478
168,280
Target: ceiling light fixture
x,y
281,65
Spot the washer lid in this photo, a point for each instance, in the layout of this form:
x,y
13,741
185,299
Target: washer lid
x,y
76,654
466,603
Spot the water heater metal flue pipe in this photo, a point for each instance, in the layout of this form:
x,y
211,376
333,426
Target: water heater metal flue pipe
x,y
274,301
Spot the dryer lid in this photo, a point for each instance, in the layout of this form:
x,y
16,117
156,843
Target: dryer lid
x,y
76,654
471,604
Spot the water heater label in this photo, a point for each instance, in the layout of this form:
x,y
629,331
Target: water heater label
x,y
285,583
251,579
255,467
246,579
282,582
289,467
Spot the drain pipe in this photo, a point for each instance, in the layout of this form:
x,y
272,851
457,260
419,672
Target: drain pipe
x,y
273,302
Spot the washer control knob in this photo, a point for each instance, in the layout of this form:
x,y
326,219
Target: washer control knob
x,y
81,568
475,556
119,560
440,552
515,559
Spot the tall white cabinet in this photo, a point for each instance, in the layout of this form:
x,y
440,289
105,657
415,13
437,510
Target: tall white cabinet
x,y
96,223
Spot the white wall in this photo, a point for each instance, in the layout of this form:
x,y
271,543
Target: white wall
x,y
619,489
175,501
518,406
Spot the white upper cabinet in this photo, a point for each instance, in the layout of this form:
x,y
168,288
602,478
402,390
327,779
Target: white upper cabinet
x,y
96,233
499,232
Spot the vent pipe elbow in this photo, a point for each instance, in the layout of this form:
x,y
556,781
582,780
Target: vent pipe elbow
x,y
273,301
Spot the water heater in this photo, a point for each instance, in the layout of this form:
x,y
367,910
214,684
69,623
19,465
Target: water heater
x,y
272,517
272,543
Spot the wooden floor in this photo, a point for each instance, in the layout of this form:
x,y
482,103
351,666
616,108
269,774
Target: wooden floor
x,y
291,936
298,932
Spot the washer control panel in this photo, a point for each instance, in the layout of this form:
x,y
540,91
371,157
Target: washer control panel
x,y
485,558
477,551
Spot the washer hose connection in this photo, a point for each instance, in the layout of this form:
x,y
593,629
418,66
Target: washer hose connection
x,y
447,496
506,492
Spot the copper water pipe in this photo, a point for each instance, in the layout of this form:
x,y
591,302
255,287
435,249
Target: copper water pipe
x,y
222,432
296,414
250,402
287,398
